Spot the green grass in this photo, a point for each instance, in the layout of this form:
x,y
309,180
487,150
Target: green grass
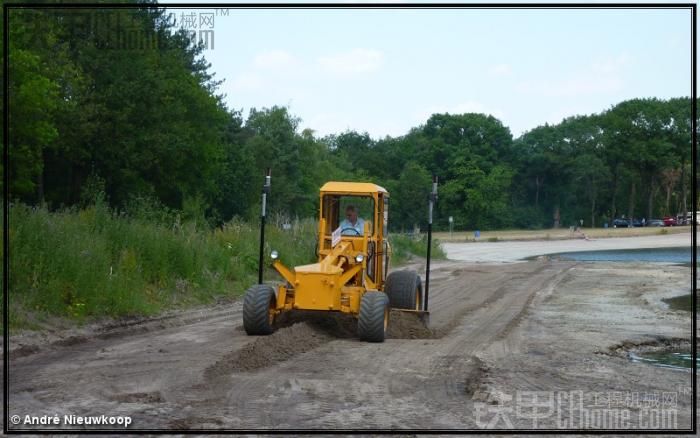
x,y
404,246
81,265
682,302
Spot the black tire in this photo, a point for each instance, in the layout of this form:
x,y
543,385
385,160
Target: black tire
x,y
257,317
374,316
405,290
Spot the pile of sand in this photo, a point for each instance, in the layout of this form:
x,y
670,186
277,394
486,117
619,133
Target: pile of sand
x,y
301,332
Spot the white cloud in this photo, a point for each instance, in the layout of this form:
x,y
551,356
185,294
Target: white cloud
x,y
557,116
336,123
263,70
611,64
603,76
247,82
275,59
353,62
328,123
577,85
500,70
460,108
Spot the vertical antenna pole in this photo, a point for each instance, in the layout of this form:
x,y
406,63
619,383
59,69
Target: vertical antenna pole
x,y
263,214
431,202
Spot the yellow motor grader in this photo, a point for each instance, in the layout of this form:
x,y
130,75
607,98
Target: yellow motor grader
x,y
350,275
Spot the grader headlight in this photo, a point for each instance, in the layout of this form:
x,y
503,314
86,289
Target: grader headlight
x,y
274,255
359,258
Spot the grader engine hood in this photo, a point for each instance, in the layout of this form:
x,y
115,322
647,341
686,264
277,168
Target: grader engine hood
x,y
318,286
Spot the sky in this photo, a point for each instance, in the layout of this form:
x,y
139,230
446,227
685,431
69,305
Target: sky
x,y
385,71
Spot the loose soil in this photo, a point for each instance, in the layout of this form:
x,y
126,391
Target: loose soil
x,y
497,331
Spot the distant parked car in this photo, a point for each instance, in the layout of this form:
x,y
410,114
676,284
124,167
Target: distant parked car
x,y
687,219
621,223
636,223
670,221
655,223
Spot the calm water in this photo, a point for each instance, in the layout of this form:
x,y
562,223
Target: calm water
x,y
666,359
681,255
678,255
664,255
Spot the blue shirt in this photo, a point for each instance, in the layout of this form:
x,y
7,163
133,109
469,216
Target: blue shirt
x,y
359,226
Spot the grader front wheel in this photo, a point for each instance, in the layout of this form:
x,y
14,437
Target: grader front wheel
x,y
258,310
374,317
404,290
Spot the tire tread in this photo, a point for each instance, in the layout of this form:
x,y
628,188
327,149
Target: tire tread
x,y
370,325
401,288
256,304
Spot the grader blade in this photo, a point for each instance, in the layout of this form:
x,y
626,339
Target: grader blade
x,y
422,315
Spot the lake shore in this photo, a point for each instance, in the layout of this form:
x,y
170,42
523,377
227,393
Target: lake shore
x,y
514,251
557,234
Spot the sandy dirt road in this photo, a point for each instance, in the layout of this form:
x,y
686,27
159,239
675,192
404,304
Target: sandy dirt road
x,y
497,332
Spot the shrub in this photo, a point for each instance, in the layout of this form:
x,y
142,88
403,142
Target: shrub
x,y
404,246
93,262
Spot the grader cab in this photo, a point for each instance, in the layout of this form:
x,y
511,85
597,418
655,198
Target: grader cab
x,y
350,275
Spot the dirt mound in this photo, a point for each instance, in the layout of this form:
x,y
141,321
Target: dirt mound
x,y
407,326
24,350
139,397
647,345
339,325
266,351
70,341
299,332
199,422
336,325
474,381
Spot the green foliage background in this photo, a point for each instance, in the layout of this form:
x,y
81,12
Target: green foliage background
x,y
145,121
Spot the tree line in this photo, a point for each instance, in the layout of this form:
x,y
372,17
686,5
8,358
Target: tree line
x,y
144,123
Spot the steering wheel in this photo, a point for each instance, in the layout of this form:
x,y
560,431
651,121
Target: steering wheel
x,y
356,232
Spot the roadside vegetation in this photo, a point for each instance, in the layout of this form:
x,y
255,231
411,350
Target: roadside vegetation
x,y
405,247
94,262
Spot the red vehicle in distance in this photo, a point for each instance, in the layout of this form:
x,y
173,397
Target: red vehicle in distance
x,y
670,221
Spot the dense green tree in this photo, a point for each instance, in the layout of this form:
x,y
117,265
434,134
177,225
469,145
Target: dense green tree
x,y
409,197
132,110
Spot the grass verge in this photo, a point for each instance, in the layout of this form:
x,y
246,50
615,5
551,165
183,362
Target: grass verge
x,y
82,265
404,246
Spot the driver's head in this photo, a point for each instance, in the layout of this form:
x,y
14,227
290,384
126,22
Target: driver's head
x,y
351,213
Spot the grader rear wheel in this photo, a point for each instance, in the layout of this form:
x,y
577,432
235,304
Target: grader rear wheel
x,y
258,310
404,290
374,317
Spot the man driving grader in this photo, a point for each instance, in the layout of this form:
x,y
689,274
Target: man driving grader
x,y
350,275
352,225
